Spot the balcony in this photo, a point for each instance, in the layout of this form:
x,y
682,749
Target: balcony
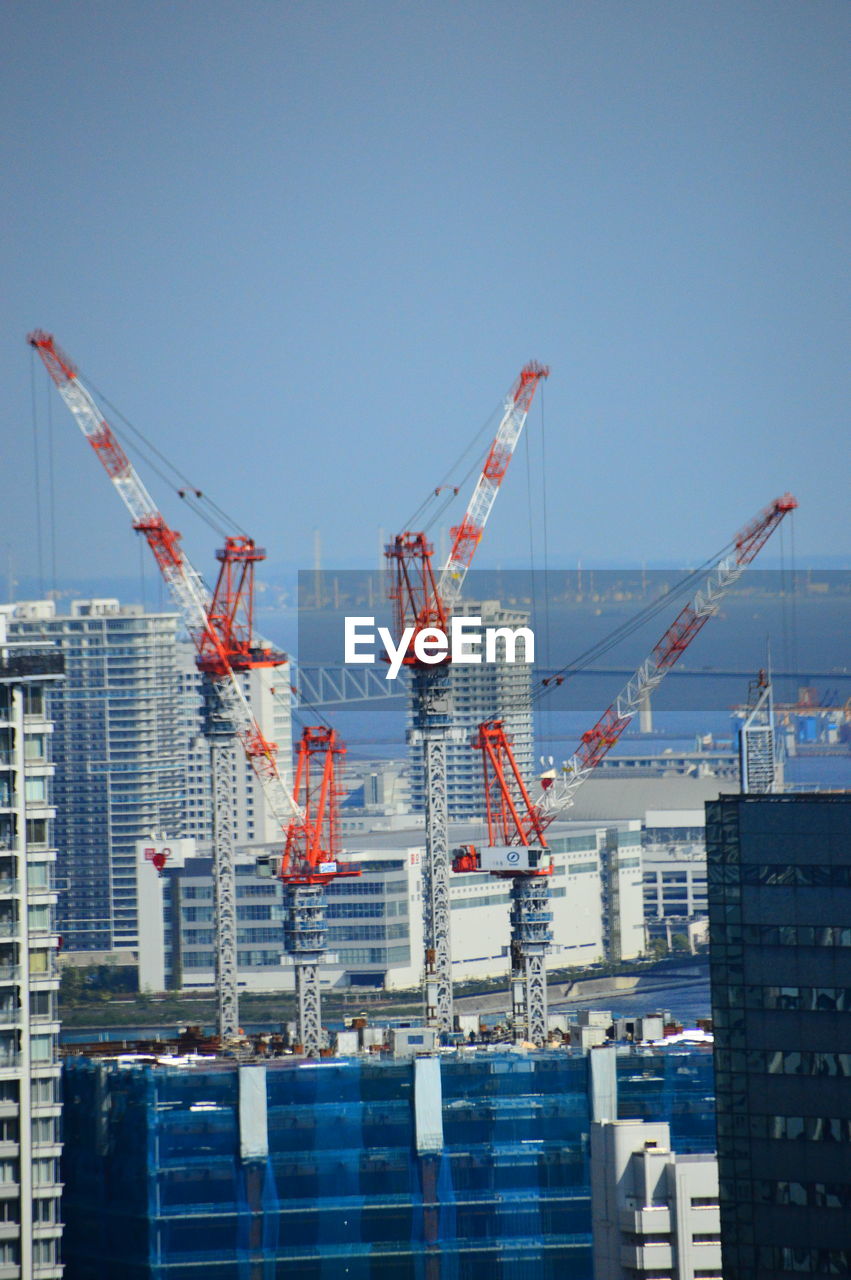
x,y
47,1149
47,1230
648,1221
655,1258
45,1271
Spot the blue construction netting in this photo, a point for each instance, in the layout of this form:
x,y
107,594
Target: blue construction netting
x,y
155,1188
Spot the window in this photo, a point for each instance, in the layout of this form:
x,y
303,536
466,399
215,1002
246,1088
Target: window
x,y
44,1129
38,875
35,790
41,1048
43,1091
33,700
44,1172
35,746
40,1004
39,919
44,1252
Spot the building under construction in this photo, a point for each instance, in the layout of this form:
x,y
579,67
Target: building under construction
x,y
465,1165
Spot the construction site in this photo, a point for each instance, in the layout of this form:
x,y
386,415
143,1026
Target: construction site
x,y
428,1149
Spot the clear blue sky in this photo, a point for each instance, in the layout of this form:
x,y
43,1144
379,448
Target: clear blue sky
x,y
307,247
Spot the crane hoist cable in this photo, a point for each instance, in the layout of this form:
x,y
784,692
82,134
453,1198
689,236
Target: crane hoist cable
x,y
187,490
447,483
582,662
626,629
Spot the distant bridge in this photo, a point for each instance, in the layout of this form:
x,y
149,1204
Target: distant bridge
x,y
325,685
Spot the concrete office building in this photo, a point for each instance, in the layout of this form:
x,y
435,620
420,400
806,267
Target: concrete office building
x,y
780,930
654,1211
30,1143
375,921
674,858
481,692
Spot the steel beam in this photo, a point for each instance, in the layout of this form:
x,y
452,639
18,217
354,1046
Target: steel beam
x,y
223,749
304,941
432,726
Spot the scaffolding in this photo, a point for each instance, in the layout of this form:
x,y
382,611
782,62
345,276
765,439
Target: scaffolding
x,y
451,1168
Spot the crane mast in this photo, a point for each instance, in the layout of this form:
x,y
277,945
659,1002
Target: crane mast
x,y
521,824
310,860
424,603
221,628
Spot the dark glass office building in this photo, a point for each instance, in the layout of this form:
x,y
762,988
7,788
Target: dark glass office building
x,y
779,870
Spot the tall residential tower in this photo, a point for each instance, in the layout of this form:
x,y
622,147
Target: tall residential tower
x,y
30,1219
489,690
120,756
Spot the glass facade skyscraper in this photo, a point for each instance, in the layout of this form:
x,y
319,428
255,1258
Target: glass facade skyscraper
x,y
779,870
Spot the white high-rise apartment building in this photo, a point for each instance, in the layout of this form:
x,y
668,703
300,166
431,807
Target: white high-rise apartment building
x,y
30,1146
482,691
267,691
130,759
655,1212
119,753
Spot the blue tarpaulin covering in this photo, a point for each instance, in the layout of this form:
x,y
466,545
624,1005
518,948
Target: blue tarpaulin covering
x,y
157,1186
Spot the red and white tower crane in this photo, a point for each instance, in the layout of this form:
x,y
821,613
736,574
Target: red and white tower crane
x,y
221,627
310,860
516,825
422,603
